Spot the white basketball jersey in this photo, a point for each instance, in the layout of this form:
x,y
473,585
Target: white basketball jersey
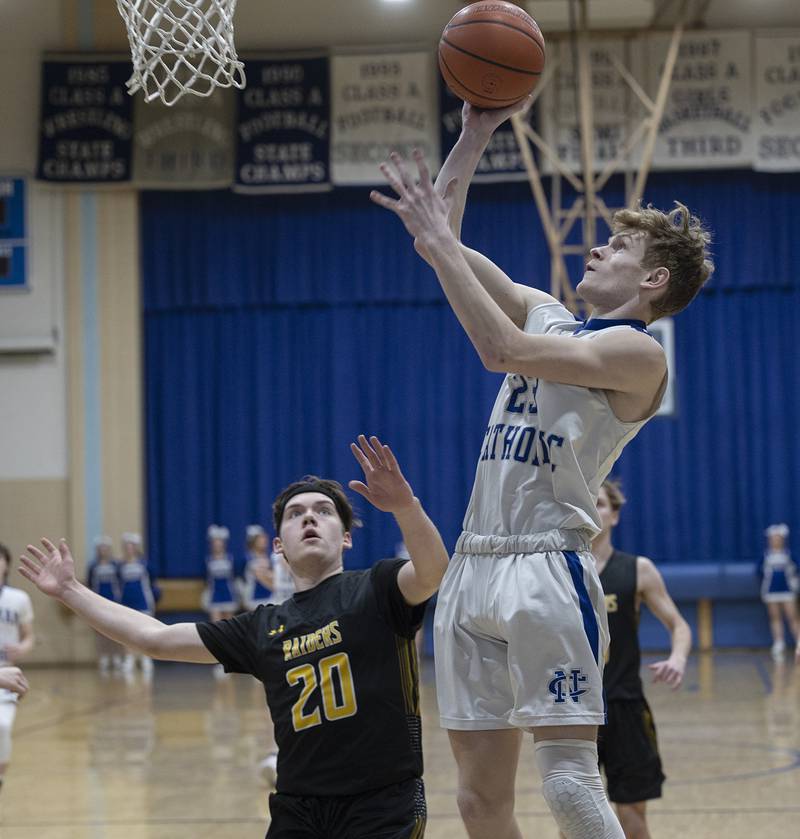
x,y
549,446
15,609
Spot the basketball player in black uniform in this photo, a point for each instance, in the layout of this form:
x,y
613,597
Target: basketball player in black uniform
x,y
337,659
627,745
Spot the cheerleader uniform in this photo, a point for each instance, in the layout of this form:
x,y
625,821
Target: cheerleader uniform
x,y
219,595
137,590
103,578
255,593
780,583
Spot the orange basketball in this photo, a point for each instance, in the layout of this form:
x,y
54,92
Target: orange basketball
x,y
491,54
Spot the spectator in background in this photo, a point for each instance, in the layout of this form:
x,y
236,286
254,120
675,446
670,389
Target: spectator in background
x,y
102,577
16,641
779,588
219,598
137,592
258,575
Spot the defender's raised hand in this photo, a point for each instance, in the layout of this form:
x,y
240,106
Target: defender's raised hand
x,y
385,486
52,571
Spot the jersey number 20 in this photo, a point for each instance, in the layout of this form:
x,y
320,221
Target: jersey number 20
x,y
334,708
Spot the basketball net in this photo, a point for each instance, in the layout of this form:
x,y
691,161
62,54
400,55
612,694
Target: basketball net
x,y
181,46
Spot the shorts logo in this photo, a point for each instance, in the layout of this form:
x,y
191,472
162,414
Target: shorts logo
x,y
564,685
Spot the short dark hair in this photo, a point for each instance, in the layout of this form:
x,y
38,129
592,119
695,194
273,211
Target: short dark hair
x,y
311,483
6,554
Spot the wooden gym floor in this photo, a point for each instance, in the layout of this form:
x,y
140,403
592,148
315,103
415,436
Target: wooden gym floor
x,y
102,758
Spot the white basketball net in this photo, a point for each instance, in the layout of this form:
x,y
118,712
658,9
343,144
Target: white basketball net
x,y
181,46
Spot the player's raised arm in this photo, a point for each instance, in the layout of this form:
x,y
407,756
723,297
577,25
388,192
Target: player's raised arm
x,y
386,488
459,168
52,571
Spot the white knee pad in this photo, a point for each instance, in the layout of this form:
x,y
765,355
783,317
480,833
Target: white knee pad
x,y
8,711
573,790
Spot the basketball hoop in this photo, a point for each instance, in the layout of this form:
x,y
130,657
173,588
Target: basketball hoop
x,y
181,46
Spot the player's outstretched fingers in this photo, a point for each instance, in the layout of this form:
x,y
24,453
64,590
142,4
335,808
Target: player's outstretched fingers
x,y
359,487
369,451
36,553
378,448
400,166
392,178
383,200
362,459
425,180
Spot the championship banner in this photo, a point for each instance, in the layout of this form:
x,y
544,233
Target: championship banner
x,y
708,119
614,105
186,145
86,121
777,94
381,103
283,126
502,160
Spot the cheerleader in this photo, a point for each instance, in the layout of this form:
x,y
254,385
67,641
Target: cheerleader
x,y
779,588
219,598
137,591
103,578
258,576
279,579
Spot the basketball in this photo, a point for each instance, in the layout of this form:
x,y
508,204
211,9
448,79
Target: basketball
x,y
491,54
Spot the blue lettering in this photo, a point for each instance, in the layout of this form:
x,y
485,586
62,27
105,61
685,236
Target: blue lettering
x,y
511,433
559,441
485,452
545,451
497,429
525,439
533,407
512,405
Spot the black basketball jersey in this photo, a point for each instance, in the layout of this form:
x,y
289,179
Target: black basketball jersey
x,y
339,669
621,679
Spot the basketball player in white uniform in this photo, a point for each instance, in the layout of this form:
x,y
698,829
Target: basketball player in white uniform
x,y
520,625
16,641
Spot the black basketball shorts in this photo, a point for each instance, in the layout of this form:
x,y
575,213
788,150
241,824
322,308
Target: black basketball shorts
x,y
394,812
628,751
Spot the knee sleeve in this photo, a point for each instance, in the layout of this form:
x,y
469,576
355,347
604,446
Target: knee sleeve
x,y
573,790
7,712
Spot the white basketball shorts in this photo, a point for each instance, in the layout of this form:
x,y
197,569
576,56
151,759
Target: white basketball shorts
x,y
520,633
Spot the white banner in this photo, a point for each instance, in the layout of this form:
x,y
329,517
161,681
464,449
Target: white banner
x,y
613,103
777,124
187,145
708,118
380,103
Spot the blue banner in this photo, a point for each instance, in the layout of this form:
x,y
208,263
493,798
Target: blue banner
x,y
283,126
12,266
502,160
86,121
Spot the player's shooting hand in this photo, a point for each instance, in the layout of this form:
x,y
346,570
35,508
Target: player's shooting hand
x,y
484,122
52,571
385,486
422,210
670,672
12,678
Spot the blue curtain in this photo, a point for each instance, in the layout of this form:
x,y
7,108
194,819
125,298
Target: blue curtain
x,y
277,329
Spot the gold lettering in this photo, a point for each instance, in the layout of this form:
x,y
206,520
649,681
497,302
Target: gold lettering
x,y
315,641
335,634
611,603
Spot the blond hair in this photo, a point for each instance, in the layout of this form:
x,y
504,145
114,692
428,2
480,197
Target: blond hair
x,y
616,497
677,241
